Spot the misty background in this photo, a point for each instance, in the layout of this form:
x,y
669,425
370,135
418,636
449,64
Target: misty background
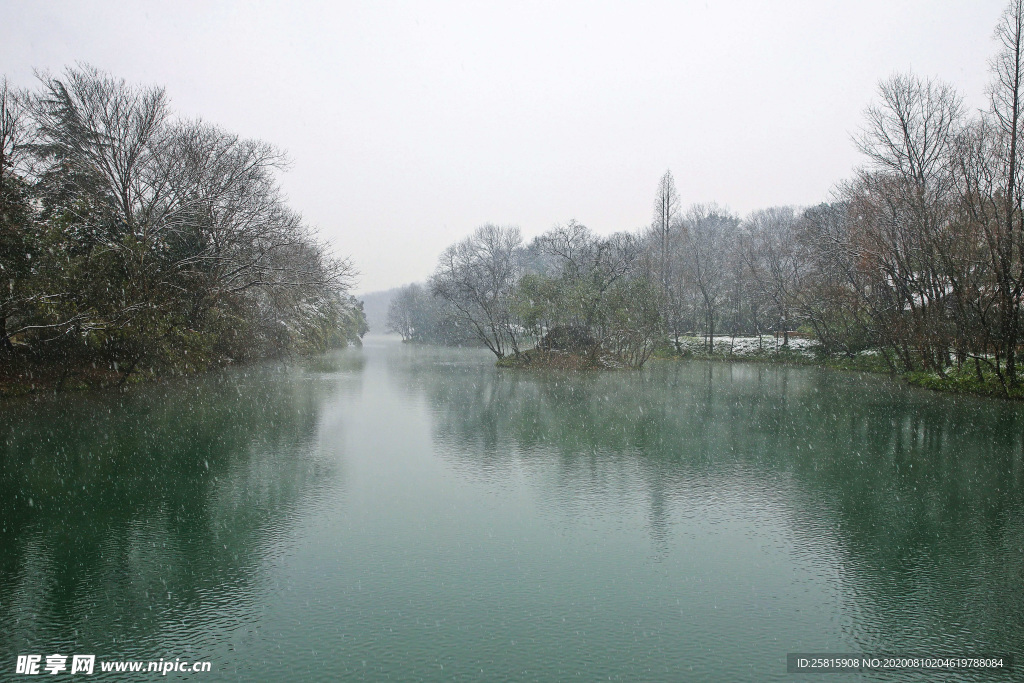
x,y
409,124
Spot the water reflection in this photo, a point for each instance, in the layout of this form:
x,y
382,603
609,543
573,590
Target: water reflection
x,y
417,514
133,522
914,497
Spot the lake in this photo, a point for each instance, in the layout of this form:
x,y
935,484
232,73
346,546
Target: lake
x,y
412,513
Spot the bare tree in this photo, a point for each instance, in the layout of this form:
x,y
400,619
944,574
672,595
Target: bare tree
x,y
1003,232
707,229
904,214
771,256
116,130
665,232
14,131
477,276
588,267
226,221
666,217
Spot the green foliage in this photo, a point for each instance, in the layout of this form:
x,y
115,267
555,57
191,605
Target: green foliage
x,y
180,260
966,381
536,302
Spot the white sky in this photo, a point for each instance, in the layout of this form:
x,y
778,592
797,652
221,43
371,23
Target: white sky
x,y
409,124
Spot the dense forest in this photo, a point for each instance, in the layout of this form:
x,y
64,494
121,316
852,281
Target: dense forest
x,y
136,241
918,258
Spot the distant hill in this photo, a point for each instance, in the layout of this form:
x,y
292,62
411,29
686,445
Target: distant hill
x,y
375,306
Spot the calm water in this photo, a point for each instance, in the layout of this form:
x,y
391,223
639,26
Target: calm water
x,y
397,513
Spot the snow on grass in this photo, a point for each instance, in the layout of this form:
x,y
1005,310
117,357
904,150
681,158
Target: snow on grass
x,y
750,346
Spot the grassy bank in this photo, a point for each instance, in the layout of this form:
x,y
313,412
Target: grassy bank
x,y
973,378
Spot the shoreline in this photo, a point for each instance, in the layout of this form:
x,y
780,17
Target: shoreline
x,y
24,378
957,382
36,379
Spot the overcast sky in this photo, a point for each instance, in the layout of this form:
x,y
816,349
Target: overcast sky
x,y
409,124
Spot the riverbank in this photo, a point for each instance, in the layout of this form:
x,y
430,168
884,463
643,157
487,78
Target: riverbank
x,y
26,376
556,359
973,378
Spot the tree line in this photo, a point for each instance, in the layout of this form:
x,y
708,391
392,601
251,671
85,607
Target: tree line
x,y
919,257
132,238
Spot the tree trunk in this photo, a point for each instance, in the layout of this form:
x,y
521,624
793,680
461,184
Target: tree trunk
x,y
711,332
5,341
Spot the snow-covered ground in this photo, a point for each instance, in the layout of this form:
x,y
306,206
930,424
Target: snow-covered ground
x,y
750,346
